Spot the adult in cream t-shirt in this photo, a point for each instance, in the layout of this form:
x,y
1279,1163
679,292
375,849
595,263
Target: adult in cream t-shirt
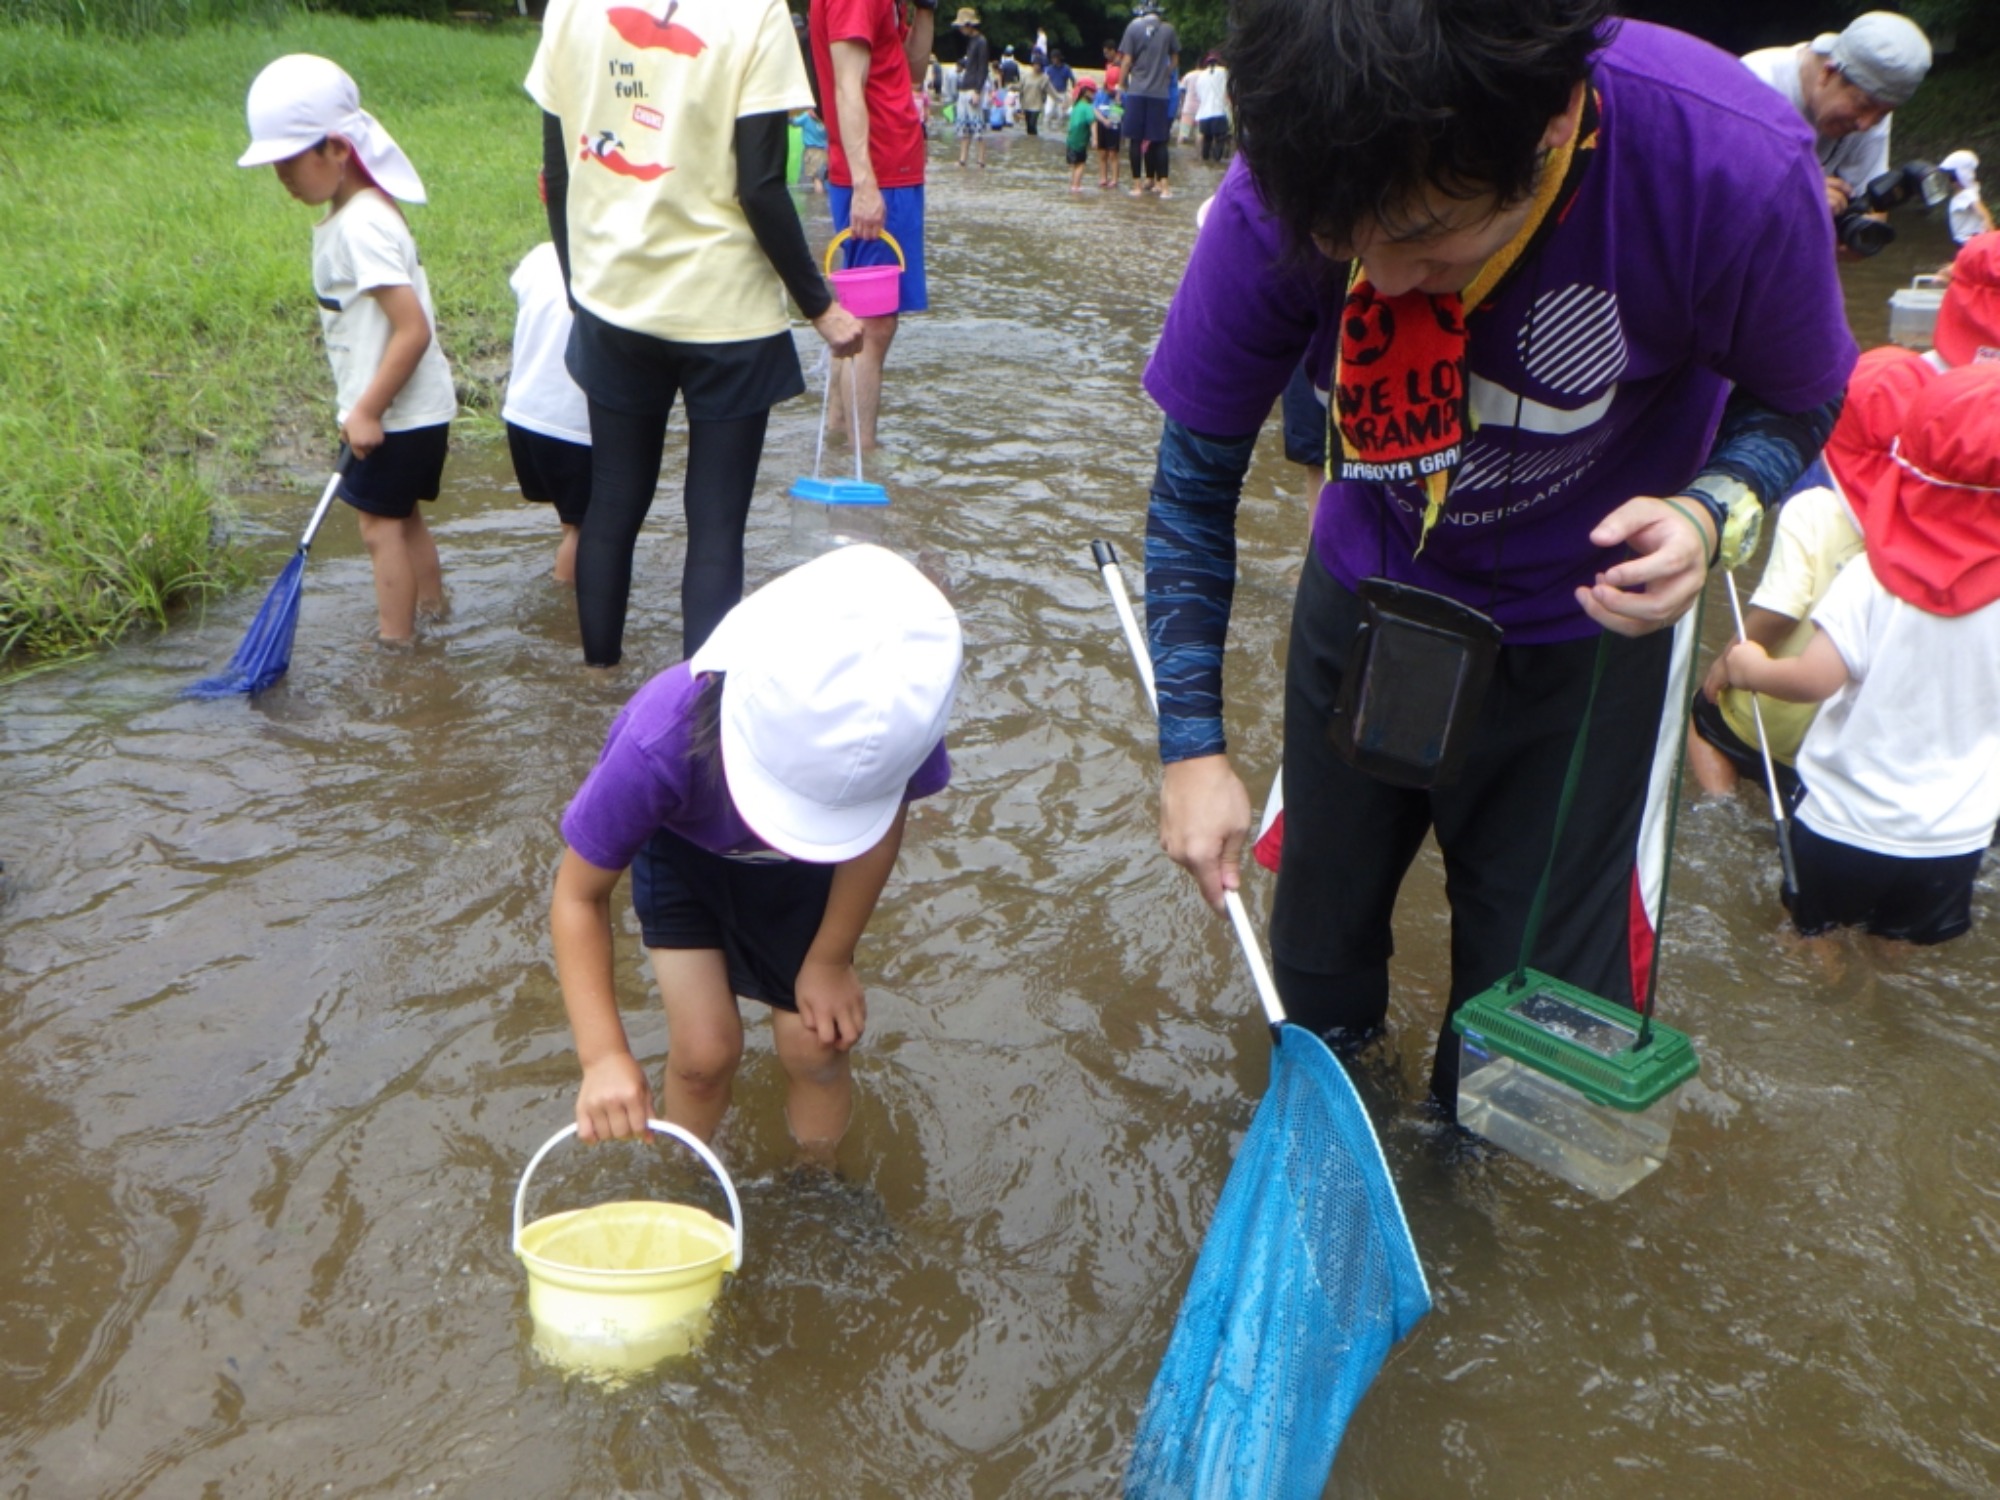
x,y
664,144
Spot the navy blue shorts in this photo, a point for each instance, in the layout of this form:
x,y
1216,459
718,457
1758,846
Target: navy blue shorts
x,y
408,467
1746,757
1913,900
763,914
1146,119
552,471
904,207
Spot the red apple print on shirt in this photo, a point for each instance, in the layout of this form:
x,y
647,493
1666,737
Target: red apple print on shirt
x,y
641,29
609,151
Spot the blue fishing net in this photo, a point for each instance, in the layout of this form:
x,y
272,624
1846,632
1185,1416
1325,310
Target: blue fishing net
x,y
1306,1279
266,651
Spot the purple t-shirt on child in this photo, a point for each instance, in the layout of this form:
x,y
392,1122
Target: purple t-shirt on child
x,y
643,783
1696,252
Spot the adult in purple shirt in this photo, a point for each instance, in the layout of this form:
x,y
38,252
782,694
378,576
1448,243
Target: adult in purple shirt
x,y
1626,236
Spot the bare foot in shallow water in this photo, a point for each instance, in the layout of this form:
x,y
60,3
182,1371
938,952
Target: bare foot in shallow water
x,y
1827,952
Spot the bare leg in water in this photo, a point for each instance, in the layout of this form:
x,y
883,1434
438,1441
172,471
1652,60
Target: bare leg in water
x,y
876,336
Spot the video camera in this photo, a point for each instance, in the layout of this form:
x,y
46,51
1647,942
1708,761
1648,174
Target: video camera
x,y
1916,181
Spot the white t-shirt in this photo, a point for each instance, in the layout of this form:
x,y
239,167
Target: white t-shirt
x,y
541,396
657,241
1855,159
1964,216
1905,759
1210,87
360,249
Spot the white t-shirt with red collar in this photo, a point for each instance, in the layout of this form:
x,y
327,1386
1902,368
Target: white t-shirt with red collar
x,y
1905,759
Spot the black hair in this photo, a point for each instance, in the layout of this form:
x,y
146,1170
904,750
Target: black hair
x,y
704,733
1347,110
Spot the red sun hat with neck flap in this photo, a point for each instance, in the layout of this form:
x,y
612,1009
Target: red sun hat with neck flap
x,y
1937,543
1968,323
1879,393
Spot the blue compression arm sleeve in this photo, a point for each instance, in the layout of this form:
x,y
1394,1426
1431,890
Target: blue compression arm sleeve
x,y
1191,581
1765,449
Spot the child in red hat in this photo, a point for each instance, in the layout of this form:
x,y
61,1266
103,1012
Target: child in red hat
x,y
1968,324
1902,767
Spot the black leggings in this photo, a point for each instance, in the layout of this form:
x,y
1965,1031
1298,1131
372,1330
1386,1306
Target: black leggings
x,y
1149,160
625,454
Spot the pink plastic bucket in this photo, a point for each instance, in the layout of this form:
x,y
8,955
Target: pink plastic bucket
x,y
867,291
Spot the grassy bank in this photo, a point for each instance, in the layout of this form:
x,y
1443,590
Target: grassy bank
x,y
1958,106
158,334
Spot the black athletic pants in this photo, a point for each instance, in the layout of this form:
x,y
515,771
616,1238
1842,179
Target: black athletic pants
x,y
1349,839
1149,160
625,471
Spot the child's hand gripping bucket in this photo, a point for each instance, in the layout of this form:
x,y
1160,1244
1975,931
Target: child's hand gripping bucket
x,y
616,1288
867,291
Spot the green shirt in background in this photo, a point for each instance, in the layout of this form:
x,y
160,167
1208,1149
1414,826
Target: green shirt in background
x,y
1080,117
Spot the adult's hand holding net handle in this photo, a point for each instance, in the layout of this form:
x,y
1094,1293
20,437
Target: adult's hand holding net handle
x,y
1106,558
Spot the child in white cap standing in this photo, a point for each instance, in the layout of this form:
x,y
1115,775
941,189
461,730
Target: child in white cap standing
x,y
393,387
1967,213
758,792
1902,765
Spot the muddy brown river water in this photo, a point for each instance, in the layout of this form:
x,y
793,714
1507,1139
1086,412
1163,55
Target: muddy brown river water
x,y
278,1030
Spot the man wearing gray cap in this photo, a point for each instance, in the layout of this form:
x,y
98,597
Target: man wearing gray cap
x,y
1844,86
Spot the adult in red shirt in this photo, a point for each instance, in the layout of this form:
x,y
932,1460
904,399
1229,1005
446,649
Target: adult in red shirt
x,y
870,56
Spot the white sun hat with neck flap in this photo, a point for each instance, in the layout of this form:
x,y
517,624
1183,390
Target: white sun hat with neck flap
x,y
300,100
839,683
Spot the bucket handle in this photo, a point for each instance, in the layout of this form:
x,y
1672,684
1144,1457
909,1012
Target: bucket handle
x,y
693,1142
887,238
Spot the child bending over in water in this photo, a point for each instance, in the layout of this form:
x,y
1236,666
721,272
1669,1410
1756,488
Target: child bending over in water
x,y
1902,766
393,388
758,792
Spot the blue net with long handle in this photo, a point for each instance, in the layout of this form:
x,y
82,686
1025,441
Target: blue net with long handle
x,y
1307,1278
266,652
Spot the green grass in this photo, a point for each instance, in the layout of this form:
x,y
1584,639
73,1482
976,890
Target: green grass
x,y
136,18
1958,106
157,327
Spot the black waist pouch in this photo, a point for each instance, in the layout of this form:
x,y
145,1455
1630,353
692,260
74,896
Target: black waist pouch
x,y
1416,672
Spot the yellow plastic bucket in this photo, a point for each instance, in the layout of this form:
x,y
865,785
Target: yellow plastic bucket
x,y
616,1288
867,291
